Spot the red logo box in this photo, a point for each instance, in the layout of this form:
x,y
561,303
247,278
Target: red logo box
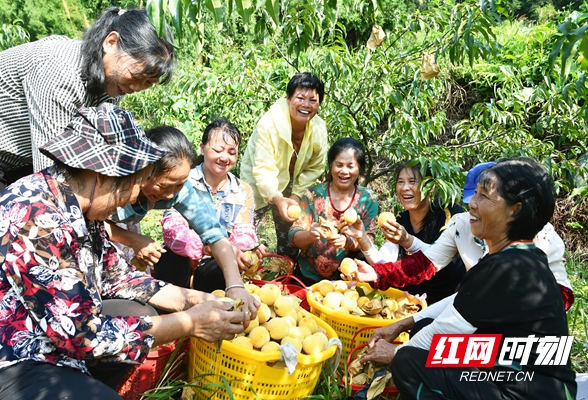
x,y
461,350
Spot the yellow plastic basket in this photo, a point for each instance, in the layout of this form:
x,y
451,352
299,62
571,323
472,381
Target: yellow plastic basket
x,y
243,367
346,325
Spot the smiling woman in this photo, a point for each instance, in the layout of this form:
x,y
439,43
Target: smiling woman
x,y
321,254
233,201
285,154
43,83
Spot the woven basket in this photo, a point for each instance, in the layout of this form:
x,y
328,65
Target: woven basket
x,y
347,325
251,370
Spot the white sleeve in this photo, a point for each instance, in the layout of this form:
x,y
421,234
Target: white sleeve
x,y
553,246
444,249
434,310
417,245
387,253
449,321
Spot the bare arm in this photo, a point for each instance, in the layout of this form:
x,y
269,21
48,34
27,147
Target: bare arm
x,y
302,238
222,251
147,250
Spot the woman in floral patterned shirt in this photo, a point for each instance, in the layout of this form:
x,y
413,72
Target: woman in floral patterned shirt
x,y
320,257
67,320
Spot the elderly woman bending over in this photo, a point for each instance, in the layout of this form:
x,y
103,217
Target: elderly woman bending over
x,y
74,315
511,291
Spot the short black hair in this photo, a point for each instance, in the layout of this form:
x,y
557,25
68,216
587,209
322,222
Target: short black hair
x,y
342,145
228,130
305,80
526,181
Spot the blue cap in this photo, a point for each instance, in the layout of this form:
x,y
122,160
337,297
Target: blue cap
x,y
472,180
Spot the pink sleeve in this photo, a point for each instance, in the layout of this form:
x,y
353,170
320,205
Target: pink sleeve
x,y
243,235
179,238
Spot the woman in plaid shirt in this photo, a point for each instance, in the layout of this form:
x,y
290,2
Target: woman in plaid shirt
x,y
43,83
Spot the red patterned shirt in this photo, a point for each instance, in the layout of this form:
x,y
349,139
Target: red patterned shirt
x,y
55,269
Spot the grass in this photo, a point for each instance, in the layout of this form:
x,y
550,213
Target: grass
x,y
577,267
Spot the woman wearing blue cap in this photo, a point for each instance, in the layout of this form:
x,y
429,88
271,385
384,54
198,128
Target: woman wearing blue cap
x,y
74,316
425,260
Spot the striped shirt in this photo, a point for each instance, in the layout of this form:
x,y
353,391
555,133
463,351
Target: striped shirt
x,y
41,88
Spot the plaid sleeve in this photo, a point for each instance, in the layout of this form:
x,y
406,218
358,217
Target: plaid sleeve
x,y
410,270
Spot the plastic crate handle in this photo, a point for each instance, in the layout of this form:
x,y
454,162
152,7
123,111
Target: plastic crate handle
x,y
285,279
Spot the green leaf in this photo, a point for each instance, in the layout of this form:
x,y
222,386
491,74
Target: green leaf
x,y
155,11
216,7
176,11
245,10
270,276
272,7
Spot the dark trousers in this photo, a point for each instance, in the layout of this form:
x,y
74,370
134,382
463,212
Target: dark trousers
x,y
174,269
177,270
30,380
284,247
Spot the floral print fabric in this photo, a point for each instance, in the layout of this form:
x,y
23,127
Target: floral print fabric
x,y
55,268
320,260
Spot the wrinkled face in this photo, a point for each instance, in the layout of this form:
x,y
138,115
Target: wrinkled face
x,y
220,154
489,214
408,190
107,199
166,184
303,105
345,170
121,71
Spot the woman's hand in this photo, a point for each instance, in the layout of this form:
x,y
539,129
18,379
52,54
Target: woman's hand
x,y
381,349
355,231
364,273
261,251
243,262
249,302
302,239
211,321
282,203
390,332
381,352
338,241
396,233
147,251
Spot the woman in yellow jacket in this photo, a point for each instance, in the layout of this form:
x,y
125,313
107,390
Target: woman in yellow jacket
x,y
286,154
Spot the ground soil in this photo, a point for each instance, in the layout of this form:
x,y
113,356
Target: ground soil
x,y
571,222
